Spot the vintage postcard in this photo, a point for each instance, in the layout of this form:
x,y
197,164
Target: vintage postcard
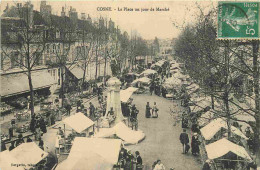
x,y
130,85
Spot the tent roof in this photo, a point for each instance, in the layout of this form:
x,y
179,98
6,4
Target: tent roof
x,y
89,161
224,146
149,71
215,125
206,118
108,149
127,93
128,135
28,153
143,80
6,161
78,122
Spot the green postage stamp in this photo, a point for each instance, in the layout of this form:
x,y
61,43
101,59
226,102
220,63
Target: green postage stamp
x,y
238,20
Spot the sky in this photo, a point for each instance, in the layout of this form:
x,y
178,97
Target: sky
x,y
149,24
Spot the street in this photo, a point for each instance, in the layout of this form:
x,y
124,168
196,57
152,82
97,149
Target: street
x,y
162,138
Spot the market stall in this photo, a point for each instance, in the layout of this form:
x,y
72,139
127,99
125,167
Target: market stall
x,y
80,126
127,93
172,86
29,154
142,84
214,130
206,118
123,132
148,73
92,152
227,154
80,123
8,162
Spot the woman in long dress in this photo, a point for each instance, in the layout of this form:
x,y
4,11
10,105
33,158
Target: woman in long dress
x,y
148,111
155,111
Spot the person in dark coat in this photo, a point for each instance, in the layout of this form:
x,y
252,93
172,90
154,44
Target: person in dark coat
x,y
139,161
12,146
3,147
184,122
148,111
43,125
11,132
195,144
41,143
68,108
28,139
19,140
32,124
184,139
151,88
91,110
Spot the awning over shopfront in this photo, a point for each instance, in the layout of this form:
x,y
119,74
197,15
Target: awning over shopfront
x,y
17,83
77,71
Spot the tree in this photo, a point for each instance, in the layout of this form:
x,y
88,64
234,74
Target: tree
x,y
27,41
218,66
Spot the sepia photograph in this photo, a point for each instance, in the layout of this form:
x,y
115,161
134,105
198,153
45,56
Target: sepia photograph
x,y
130,85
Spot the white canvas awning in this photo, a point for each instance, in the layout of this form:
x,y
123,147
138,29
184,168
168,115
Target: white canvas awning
x,y
28,153
127,93
206,118
128,135
78,122
224,146
88,161
108,149
215,125
8,162
142,80
148,72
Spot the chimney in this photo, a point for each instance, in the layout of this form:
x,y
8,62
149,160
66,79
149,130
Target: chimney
x,y
83,16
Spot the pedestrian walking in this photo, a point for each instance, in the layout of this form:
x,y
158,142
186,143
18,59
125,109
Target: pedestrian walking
x,y
148,111
159,165
155,111
43,125
195,144
28,139
139,161
12,146
41,144
151,88
91,111
68,108
184,139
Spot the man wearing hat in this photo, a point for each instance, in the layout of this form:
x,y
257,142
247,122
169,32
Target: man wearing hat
x,y
184,139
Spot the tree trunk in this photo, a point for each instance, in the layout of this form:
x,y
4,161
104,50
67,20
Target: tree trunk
x,y
257,99
62,86
84,74
105,66
31,93
226,90
96,62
